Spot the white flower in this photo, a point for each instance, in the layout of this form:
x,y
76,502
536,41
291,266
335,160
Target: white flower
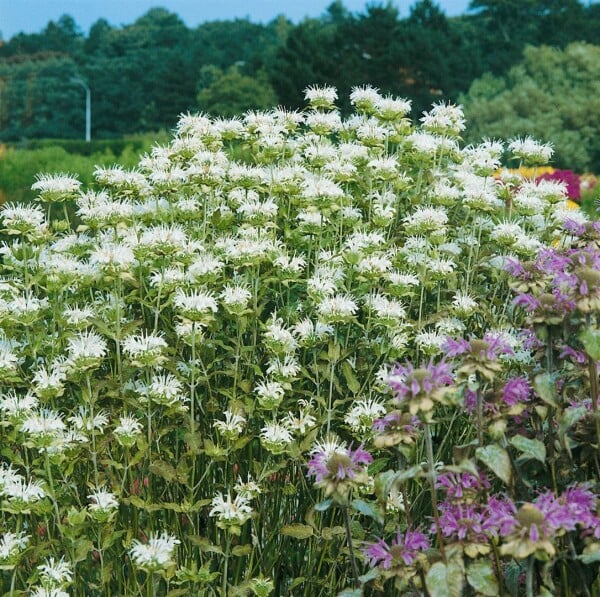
x,y
45,423
146,348
290,265
232,426
385,308
48,592
14,405
430,342
299,424
112,257
247,489
84,421
531,151
340,307
127,431
275,437
444,119
363,412
204,265
103,503
426,220
22,493
365,98
310,332
320,97
231,512
11,544
163,238
284,370
55,574
278,339
463,304
235,297
77,316
85,350
392,108
23,218
269,394
157,554
323,123
195,305
166,389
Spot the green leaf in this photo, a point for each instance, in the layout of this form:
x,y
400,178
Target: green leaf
x,y
297,531
367,509
545,386
350,593
350,377
324,505
570,416
445,580
242,550
497,460
480,575
531,448
591,554
163,469
591,342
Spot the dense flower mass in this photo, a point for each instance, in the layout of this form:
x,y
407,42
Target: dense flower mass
x,y
209,348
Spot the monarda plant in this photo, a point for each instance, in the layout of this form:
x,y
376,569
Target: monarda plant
x,y
297,354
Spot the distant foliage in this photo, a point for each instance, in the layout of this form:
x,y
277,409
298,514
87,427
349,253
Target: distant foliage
x,y
553,95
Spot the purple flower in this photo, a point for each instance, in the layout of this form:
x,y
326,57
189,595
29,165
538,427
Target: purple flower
x,y
420,388
460,485
577,356
337,468
462,522
402,551
515,391
500,519
338,464
490,347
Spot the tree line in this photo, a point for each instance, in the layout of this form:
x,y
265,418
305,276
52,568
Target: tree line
x,y
145,74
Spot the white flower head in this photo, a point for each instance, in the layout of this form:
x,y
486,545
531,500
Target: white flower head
x,y
157,554
128,430
275,437
232,426
231,512
103,504
530,151
145,349
321,97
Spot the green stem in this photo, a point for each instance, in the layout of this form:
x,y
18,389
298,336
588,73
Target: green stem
x,y
432,477
529,577
355,574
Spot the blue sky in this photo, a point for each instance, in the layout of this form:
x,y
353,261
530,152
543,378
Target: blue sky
x,y
31,16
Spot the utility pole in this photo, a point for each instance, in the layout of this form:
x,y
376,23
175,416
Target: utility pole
x,y
88,107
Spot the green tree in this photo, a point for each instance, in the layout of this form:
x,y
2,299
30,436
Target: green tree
x,y
553,95
231,93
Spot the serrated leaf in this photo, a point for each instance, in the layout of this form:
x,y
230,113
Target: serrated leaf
x,y
367,509
497,460
531,448
445,580
297,531
480,575
545,386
